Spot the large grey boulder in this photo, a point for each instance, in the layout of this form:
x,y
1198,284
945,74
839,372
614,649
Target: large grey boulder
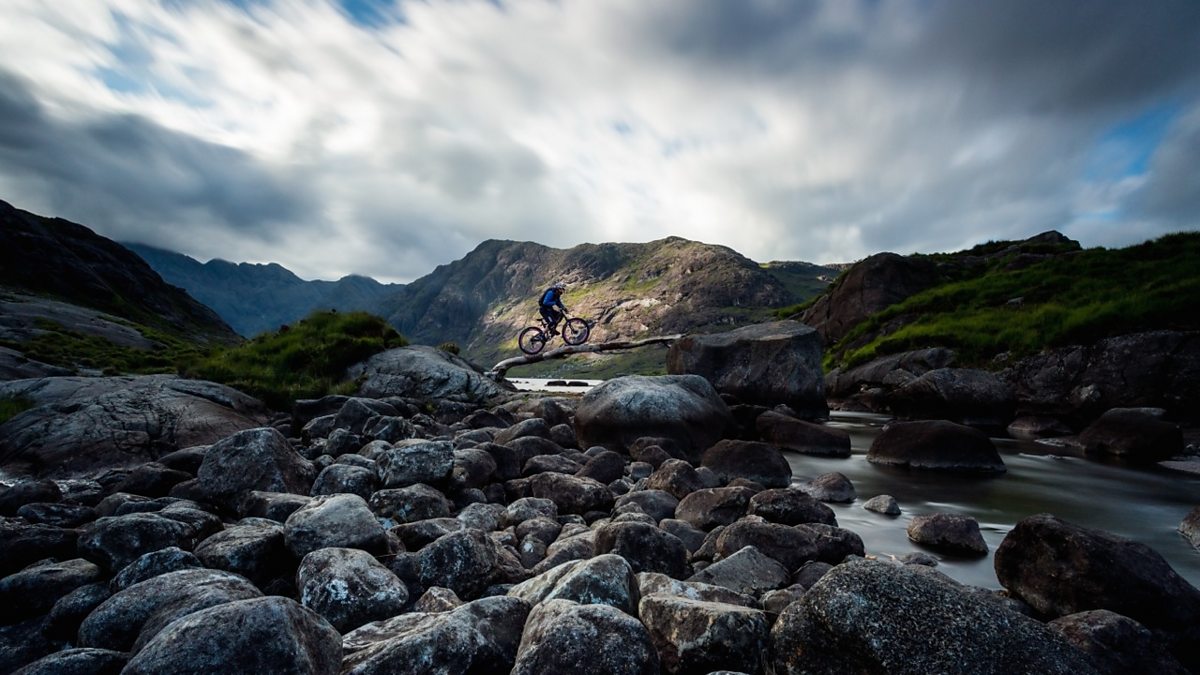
x,y
797,435
477,637
85,424
647,548
683,409
260,635
870,616
765,363
116,541
965,395
694,636
423,372
708,508
764,464
80,661
604,580
747,571
415,461
1132,435
253,549
570,494
886,372
334,520
255,459
949,532
561,636
349,587
1117,644
466,562
35,589
936,445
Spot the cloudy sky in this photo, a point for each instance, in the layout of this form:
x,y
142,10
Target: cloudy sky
x,y
384,137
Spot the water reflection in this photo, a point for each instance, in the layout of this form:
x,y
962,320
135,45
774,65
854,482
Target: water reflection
x,y
1144,504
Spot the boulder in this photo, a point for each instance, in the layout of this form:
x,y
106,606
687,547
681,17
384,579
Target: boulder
x,y
1190,527
885,373
964,395
355,413
271,634
526,508
255,459
645,547
1117,644
348,587
606,579
766,363
415,461
423,372
675,477
790,546
1033,427
604,467
35,589
711,507
831,487
473,468
275,506
561,636
28,492
682,408
653,583
693,636
936,445
747,571
691,536
759,462
790,506
57,515
437,599
339,478
870,616
1133,436
656,503
804,437
152,480
162,561
570,494
885,504
410,504
532,427
1060,568
478,637
62,623
80,661
87,424
22,543
552,463
464,561
949,533
334,520
137,613
117,541
253,549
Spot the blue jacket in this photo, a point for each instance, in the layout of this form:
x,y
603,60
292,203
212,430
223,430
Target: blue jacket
x,y
552,297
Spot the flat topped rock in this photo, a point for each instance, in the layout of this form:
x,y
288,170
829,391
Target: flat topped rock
x,y
936,445
420,371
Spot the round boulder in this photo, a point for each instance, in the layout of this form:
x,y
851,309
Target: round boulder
x,y
949,533
1132,435
758,462
803,437
255,459
342,520
561,636
349,587
936,445
647,548
692,636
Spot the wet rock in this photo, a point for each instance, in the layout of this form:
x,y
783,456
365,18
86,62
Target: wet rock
x,y
478,637
840,625
22,543
561,636
968,396
27,492
656,503
348,587
1133,436
152,480
747,571
423,372
34,590
171,559
650,583
647,548
116,541
137,613
1190,527
341,478
410,504
254,550
415,461
693,636
271,634
790,506
1060,568
553,463
570,494
437,599
936,445
57,515
465,562
706,509
948,532
676,477
919,558
275,506
803,437
885,504
82,661
759,462
606,579
764,363
1117,644
334,520
831,487
255,459
683,408
604,467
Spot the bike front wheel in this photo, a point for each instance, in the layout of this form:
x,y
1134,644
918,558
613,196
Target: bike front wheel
x,y
576,331
532,340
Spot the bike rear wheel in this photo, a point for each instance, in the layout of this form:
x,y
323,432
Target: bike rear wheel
x,y
576,331
532,340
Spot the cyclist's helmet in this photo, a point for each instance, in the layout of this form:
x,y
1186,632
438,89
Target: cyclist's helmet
x,y
558,285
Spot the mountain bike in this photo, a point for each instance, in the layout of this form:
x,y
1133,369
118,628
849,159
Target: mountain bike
x,y
575,331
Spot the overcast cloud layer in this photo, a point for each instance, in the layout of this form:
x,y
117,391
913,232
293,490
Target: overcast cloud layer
x,y
385,139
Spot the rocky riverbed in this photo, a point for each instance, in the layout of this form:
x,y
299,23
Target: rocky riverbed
x,y
627,531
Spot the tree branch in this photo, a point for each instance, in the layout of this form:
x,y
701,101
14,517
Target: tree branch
x,y
498,371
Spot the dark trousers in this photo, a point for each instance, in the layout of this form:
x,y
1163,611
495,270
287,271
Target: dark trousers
x,y
551,315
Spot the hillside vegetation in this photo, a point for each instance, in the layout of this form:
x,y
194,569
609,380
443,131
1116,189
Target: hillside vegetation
x,y
1004,307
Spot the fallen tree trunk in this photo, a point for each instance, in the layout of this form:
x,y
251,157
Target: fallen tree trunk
x,y
498,371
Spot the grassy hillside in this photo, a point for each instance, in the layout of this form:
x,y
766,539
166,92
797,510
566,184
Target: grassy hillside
x,y
1065,299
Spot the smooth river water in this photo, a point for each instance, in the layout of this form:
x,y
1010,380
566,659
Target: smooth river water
x,y
1143,504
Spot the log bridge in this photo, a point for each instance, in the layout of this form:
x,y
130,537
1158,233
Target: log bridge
x,y
500,369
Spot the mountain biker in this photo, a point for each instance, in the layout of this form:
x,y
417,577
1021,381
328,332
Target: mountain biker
x,y
551,298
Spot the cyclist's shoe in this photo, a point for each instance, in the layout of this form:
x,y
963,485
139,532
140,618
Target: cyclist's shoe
x,y
553,332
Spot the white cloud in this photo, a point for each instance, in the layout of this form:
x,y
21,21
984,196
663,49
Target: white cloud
x,y
818,130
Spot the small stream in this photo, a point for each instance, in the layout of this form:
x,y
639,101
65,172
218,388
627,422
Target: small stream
x,y
1143,504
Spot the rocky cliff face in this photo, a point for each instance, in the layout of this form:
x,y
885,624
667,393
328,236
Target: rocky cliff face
x,y
67,261
256,298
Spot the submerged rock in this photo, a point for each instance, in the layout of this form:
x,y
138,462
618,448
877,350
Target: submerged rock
x,y
1132,435
803,437
758,462
948,532
936,445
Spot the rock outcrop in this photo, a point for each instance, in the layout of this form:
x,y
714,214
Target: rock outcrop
x,y
424,373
